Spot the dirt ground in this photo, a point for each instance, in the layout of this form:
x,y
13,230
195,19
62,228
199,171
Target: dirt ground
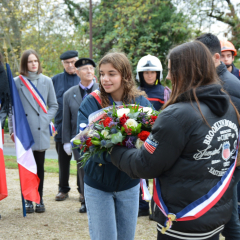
x,y
61,219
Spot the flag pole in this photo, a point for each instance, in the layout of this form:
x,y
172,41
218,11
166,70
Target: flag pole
x,y
6,60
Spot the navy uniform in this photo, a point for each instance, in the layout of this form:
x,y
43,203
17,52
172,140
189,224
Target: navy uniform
x,y
62,82
155,93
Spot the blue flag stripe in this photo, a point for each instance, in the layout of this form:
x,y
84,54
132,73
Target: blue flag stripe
x,y
22,129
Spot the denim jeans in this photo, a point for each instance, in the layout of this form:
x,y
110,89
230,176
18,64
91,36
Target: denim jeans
x,y
231,230
112,215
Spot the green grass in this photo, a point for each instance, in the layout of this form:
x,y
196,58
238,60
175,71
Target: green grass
x,y
51,165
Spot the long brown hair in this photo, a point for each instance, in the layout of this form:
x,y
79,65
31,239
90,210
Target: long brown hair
x,y
191,66
24,62
121,63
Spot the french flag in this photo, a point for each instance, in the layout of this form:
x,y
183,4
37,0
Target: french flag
x,y
3,180
23,141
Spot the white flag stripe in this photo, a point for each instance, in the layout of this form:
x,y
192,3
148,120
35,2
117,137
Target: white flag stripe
x,y
24,156
147,195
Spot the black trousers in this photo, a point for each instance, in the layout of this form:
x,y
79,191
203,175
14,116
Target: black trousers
x,y
64,169
161,236
39,159
80,172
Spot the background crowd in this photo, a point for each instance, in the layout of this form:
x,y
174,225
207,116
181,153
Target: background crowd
x,y
198,70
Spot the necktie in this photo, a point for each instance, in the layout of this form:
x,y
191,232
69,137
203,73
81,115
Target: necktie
x,y
84,93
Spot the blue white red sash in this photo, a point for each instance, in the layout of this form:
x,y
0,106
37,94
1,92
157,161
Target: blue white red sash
x,y
35,93
199,207
145,193
39,99
52,129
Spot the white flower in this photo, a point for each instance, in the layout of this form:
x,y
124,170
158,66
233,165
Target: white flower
x,y
122,111
91,133
131,123
147,110
139,143
105,133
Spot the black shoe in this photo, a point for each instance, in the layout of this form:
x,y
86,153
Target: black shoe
x,y
143,212
40,208
83,208
29,206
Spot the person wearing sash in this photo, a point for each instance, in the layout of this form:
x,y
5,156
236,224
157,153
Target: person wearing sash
x,y
191,150
40,105
72,99
231,84
62,82
111,197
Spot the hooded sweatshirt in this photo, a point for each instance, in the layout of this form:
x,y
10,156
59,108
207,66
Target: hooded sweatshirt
x,y
189,155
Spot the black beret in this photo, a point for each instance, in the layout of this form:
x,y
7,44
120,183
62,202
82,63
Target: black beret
x,y
69,54
84,61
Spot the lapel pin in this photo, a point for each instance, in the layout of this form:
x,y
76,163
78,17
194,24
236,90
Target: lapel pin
x,y
74,95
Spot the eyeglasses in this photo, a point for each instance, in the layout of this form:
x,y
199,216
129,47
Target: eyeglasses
x,y
85,69
68,63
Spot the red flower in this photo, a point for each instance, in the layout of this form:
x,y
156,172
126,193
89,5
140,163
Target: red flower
x,y
143,135
107,121
153,118
88,142
127,130
123,119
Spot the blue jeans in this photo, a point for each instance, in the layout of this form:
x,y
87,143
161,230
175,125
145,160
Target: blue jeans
x,y
112,215
231,230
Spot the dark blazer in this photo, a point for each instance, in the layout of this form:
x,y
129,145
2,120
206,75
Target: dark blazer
x,y
62,82
72,100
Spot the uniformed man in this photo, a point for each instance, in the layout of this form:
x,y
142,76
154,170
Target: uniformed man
x,y
71,103
228,52
62,82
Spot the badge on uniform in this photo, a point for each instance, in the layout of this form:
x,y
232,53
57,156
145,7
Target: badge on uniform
x,y
151,144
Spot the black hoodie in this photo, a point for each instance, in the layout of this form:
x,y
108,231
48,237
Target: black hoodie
x,y
188,159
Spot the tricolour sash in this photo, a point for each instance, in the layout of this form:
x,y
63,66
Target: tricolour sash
x,y
145,193
96,95
35,93
199,207
39,99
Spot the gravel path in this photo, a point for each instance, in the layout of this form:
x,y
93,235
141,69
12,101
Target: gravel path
x,y
61,219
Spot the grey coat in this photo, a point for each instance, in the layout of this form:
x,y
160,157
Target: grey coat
x,y
37,119
71,102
